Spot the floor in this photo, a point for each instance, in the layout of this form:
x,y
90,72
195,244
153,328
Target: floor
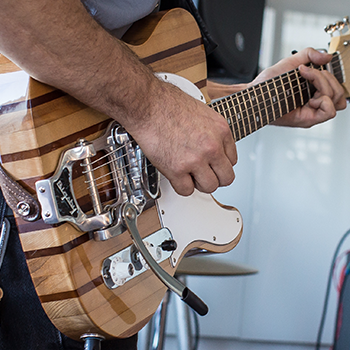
x,y
232,344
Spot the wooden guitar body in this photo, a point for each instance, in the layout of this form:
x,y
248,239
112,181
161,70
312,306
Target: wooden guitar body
x,y
38,123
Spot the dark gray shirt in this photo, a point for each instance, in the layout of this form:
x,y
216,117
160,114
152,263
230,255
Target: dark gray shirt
x,y
116,16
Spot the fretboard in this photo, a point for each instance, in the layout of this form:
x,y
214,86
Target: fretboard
x,y
251,109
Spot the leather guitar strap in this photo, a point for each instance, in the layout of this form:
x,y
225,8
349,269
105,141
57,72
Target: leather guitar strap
x,y
18,199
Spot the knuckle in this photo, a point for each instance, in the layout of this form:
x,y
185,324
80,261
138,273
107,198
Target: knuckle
x,y
184,188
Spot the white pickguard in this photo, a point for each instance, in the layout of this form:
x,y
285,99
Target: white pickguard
x,y
197,217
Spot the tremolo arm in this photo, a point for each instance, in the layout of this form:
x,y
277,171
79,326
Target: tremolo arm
x,y
191,299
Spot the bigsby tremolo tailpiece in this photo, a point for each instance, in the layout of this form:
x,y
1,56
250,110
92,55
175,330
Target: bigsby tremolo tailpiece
x,y
131,175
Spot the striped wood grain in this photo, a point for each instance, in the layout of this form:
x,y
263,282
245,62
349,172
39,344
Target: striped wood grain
x,y
37,124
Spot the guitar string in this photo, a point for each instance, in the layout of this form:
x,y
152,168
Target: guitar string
x,y
239,105
100,184
282,97
247,92
251,108
240,123
337,63
242,126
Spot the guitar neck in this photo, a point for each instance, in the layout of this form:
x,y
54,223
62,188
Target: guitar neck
x,y
249,110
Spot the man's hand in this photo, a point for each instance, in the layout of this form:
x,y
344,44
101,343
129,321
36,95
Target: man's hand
x,y
328,98
188,142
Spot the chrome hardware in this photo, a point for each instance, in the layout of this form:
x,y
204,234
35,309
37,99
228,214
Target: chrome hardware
x,y
129,172
338,26
129,263
191,299
330,29
90,179
92,341
23,208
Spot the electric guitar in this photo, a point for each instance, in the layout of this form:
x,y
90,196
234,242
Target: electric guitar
x,y
85,170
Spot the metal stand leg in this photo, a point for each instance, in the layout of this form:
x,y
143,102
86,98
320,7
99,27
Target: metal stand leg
x,y
156,327
92,341
183,322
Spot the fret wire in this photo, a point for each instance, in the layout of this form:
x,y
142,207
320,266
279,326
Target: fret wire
x,y
305,90
234,124
246,116
268,101
235,107
259,118
226,113
228,99
264,118
253,102
300,92
239,115
275,99
288,92
284,94
291,88
274,81
271,104
296,90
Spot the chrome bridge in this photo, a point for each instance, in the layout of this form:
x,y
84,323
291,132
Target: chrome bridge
x,y
132,176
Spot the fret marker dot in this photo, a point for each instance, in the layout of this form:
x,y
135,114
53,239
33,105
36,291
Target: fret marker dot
x,y
257,119
239,116
274,99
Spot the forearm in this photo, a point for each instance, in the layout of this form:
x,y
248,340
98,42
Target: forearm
x,y
57,42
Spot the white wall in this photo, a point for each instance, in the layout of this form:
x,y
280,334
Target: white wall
x,y
293,190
